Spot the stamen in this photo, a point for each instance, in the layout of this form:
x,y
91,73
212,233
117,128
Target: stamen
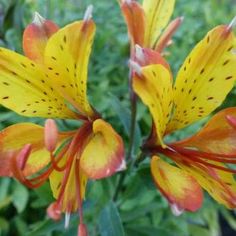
x,y
232,24
54,212
176,210
67,220
82,230
139,53
50,135
88,13
38,19
136,67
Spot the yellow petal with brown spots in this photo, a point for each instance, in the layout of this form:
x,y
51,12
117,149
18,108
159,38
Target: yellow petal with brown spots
x,y
25,89
154,87
66,58
157,16
206,77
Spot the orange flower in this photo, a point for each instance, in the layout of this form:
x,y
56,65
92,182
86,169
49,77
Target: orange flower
x,y
52,83
204,80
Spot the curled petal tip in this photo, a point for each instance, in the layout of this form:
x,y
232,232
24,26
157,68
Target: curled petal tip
x,y
231,24
135,67
176,210
139,53
38,19
122,166
88,13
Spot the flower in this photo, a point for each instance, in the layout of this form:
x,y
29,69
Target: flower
x,y
203,81
51,82
146,22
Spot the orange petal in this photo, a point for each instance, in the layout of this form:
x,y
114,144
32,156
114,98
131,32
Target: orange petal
x,y
218,133
104,153
134,16
219,184
167,34
35,37
14,138
182,191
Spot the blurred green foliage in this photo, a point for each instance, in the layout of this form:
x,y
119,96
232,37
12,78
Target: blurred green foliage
x,y
140,209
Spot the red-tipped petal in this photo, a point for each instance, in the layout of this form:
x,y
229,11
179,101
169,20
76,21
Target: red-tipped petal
x,y
35,37
82,230
181,190
135,20
104,153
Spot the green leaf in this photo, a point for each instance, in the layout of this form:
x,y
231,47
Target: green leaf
x,y
20,197
109,221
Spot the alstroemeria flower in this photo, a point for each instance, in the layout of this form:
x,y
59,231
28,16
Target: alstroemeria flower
x,y
201,161
51,82
146,22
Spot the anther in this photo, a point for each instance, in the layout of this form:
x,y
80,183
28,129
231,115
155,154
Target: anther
x,y
53,211
88,13
50,135
82,230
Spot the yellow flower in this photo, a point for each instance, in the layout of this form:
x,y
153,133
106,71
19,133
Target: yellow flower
x,y
204,80
146,22
51,82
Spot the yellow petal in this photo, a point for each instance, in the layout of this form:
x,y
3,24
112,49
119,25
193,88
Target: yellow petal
x,y
13,139
66,58
25,89
157,15
206,77
177,186
103,155
154,87
75,182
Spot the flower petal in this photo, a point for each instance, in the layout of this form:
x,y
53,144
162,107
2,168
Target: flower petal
x,y
66,58
25,89
176,185
219,184
134,16
35,37
219,135
206,77
157,16
69,199
104,153
154,87
14,138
